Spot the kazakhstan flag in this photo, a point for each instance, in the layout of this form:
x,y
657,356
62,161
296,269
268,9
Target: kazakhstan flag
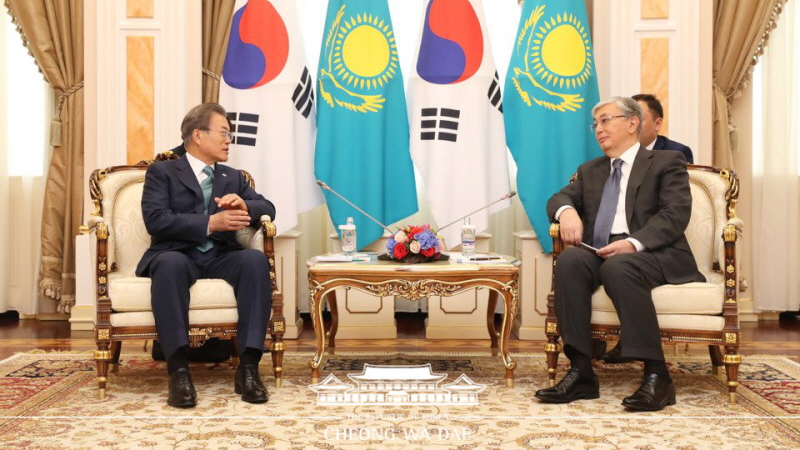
x,y
551,88
362,147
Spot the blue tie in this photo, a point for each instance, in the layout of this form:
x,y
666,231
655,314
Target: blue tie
x,y
206,186
608,207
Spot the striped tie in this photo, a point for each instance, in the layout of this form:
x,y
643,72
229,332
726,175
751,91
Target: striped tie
x,y
608,207
206,186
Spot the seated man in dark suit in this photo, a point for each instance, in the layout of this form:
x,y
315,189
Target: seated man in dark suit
x,y
192,208
633,205
653,117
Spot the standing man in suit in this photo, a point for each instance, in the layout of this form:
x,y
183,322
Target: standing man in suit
x,y
633,205
651,124
192,209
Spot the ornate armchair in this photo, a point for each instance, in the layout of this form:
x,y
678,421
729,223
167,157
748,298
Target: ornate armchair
x,y
704,313
119,239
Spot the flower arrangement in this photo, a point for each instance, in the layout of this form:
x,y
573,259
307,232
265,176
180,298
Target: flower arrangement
x,y
414,244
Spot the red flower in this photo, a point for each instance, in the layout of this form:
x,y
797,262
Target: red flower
x,y
415,230
400,251
428,252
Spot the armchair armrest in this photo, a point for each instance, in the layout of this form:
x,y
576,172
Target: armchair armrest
x,y
93,221
555,234
738,224
251,238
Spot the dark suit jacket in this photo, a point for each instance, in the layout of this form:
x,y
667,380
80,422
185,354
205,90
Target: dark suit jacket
x,y
662,143
172,206
658,205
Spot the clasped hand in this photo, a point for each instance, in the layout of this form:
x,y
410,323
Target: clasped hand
x,y
233,217
571,227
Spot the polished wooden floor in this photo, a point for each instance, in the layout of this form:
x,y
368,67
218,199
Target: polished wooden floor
x,y
766,337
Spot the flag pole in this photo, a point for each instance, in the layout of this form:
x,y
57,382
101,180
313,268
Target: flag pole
x,y
328,188
505,197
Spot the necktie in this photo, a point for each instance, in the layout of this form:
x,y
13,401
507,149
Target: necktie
x,y
608,207
206,186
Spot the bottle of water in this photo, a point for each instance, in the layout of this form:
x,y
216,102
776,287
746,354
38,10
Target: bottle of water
x,y
348,237
468,238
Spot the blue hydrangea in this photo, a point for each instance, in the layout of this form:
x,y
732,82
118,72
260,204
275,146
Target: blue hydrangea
x,y
427,240
390,245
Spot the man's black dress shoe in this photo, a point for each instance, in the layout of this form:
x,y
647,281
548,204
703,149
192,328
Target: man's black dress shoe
x,y
654,394
571,387
248,383
614,356
181,389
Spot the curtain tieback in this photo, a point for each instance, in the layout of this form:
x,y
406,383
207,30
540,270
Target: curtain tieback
x,y
55,123
733,131
212,74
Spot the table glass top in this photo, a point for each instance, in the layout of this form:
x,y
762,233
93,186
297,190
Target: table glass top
x,y
456,261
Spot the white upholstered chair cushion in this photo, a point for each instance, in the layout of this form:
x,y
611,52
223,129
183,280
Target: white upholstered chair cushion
x,y
129,294
668,321
196,316
689,298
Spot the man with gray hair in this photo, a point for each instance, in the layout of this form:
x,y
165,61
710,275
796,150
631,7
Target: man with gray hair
x,y
632,206
192,208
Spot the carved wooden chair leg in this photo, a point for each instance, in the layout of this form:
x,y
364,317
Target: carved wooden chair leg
x,y
552,348
116,350
102,357
490,309
716,359
732,361
235,352
277,347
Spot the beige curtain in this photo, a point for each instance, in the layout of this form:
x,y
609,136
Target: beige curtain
x,y
776,186
741,32
217,16
53,32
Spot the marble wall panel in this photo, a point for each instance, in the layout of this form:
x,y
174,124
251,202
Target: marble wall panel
x,y
139,8
655,73
140,97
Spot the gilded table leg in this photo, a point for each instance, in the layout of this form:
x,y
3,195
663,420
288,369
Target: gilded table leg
x,y
493,335
315,307
509,297
331,334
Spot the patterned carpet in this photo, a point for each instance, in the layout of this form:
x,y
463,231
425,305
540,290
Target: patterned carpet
x,y
49,401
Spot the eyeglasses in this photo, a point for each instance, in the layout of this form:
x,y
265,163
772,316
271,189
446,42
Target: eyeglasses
x,y
603,122
225,133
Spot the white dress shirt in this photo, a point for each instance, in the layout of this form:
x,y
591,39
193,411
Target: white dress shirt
x,y
197,167
620,225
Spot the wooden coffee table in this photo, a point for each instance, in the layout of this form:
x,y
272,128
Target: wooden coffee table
x,y
414,282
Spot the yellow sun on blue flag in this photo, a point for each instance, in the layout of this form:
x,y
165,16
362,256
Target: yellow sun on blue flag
x,y
362,149
550,90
